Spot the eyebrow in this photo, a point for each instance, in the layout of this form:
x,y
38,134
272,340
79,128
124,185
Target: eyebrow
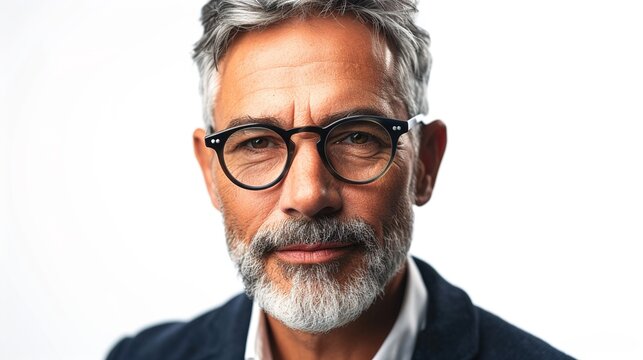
x,y
271,120
243,120
357,111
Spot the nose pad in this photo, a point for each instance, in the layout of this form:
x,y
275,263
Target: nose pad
x,y
309,189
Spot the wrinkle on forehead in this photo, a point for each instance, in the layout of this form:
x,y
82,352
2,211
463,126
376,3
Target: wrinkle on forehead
x,y
302,75
319,85
307,64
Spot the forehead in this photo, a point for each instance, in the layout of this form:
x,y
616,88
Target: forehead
x,y
302,70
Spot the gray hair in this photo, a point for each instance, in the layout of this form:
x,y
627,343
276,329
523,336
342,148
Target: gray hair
x,y
223,19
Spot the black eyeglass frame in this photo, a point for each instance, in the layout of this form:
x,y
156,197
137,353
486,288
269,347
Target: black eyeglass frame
x,y
395,129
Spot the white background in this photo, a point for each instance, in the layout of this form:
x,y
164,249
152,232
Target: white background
x,y
106,227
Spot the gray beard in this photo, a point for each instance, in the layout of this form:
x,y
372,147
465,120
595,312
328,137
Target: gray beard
x,y
317,301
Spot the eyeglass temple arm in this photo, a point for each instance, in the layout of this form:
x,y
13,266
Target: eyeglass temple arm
x,y
418,119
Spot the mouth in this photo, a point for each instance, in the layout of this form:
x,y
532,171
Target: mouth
x,y
313,253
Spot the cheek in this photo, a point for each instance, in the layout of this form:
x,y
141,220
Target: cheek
x,y
244,211
377,203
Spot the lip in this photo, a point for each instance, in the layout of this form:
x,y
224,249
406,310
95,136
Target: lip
x,y
313,253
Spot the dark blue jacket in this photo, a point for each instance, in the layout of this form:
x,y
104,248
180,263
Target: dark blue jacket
x,y
456,329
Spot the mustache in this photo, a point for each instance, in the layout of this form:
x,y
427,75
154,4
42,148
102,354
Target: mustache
x,y
309,232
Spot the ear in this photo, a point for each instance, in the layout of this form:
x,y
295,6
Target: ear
x,y
433,142
204,156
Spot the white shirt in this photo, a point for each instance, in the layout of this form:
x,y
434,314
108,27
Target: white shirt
x,y
399,343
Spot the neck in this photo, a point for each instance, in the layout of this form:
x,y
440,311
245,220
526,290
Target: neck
x,y
359,339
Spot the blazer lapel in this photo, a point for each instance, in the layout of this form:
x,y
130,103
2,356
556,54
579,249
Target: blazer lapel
x,y
451,330
230,331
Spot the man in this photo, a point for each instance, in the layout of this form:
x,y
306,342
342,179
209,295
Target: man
x,y
315,151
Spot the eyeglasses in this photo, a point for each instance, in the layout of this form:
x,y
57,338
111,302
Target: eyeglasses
x,y
357,149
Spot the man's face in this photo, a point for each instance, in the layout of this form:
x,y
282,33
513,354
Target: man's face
x,y
301,73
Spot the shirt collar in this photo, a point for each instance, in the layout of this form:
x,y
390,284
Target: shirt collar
x,y
257,343
399,343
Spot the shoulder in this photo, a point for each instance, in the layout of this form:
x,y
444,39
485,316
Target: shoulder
x,y
457,329
219,331
499,339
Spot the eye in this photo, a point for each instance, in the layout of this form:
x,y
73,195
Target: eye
x,y
359,138
258,143
254,140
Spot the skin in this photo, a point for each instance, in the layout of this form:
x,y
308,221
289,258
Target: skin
x,y
299,73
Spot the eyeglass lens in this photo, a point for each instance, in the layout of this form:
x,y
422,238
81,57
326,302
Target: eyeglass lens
x,y
357,151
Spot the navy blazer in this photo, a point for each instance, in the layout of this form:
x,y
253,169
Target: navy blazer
x,y
455,329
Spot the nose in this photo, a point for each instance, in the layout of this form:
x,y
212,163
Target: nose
x,y
308,189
